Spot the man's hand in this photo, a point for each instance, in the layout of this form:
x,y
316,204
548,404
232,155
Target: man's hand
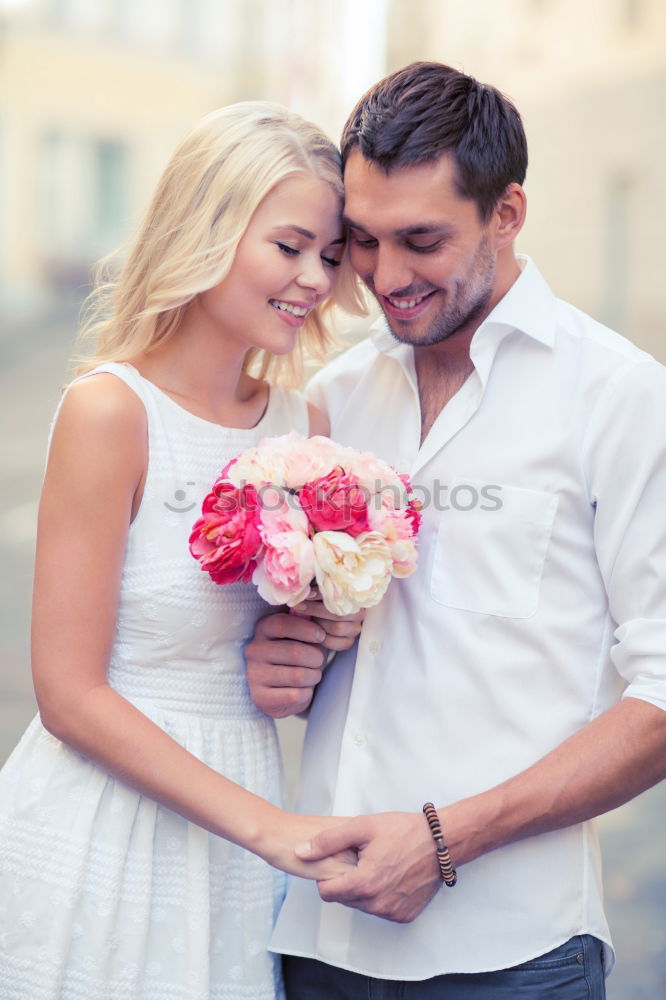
x,y
285,662
397,873
287,656
341,632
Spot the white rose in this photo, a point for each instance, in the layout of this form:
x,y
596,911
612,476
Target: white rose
x,y
352,573
265,464
404,556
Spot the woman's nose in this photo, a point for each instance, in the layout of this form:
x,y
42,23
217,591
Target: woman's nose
x,y
316,275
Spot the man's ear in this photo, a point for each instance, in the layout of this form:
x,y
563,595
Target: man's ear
x,y
509,215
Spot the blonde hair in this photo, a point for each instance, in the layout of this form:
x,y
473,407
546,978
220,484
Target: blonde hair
x,y
216,179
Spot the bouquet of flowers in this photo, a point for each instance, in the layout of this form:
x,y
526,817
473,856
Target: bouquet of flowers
x,y
295,511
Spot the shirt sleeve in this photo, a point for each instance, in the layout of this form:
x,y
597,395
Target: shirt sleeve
x,y
625,462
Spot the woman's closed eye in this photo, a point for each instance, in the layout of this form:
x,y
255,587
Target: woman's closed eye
x,y
290,251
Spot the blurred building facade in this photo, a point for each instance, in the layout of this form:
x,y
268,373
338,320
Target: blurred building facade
x,y
589,79
94,95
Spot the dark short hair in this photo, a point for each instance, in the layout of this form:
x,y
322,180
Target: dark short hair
x,y
426,109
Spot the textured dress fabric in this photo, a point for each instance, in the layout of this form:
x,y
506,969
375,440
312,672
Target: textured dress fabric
x,y
104,894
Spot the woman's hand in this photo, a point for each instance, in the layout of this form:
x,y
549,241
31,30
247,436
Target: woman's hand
x,y
291,830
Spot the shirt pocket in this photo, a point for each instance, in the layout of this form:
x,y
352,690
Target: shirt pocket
x,y
491,548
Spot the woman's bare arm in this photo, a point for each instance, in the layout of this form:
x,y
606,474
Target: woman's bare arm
x,y
95,467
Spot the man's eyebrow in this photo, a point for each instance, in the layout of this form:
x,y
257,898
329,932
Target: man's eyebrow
x,y
441,228
350,224
419,229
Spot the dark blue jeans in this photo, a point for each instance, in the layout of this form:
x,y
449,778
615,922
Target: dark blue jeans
x,y
573,971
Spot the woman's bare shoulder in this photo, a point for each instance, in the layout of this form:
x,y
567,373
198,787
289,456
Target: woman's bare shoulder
x,y
101,398
101,426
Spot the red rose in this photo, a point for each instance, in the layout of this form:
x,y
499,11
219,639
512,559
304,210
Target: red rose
x,y
226,538
414,505
336,502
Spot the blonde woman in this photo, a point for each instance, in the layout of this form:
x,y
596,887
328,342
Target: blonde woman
x,y
139,810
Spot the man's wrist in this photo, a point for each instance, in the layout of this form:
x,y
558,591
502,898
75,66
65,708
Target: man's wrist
x,y
471,826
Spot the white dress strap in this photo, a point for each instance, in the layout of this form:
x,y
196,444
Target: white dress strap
x,y
125,372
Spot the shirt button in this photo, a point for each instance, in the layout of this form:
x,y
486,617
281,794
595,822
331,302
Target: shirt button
x,y
358,739
374,646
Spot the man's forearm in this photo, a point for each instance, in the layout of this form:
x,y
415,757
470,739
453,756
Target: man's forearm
x,y
606,763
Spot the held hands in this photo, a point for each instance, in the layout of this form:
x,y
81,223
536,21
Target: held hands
x,y
286,657
292,829
397,872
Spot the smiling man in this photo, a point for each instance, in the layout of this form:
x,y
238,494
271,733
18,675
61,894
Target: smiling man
x,y
453,283
518,679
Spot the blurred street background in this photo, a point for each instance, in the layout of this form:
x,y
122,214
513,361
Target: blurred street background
x,y
94,95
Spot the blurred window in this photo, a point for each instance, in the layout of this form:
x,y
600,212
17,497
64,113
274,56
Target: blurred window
x,y
90,16
4,195
153,23
110,192
618,256
146,23
210,29
61,195
83,197
631,13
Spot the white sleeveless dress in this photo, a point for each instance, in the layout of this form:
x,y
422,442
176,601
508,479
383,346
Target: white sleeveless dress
x,y
105,895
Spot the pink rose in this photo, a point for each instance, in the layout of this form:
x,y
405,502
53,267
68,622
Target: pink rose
x,y
284,573
309,459
226,538
336,502
224,475
371,472
393,522
289,460
397,527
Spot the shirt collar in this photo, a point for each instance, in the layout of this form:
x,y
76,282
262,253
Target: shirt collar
x,y
529,306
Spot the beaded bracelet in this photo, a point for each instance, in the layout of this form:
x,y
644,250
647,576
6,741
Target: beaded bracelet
x,y
446,869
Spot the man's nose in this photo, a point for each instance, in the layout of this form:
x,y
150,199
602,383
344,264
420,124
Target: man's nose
x,y
391,272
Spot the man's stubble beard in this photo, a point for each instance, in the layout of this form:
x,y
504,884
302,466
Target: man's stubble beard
x,y
469,306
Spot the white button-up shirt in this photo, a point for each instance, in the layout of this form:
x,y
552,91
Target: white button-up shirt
x,y
539,599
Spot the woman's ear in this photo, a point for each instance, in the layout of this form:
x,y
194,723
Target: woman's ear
x,y
509,215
